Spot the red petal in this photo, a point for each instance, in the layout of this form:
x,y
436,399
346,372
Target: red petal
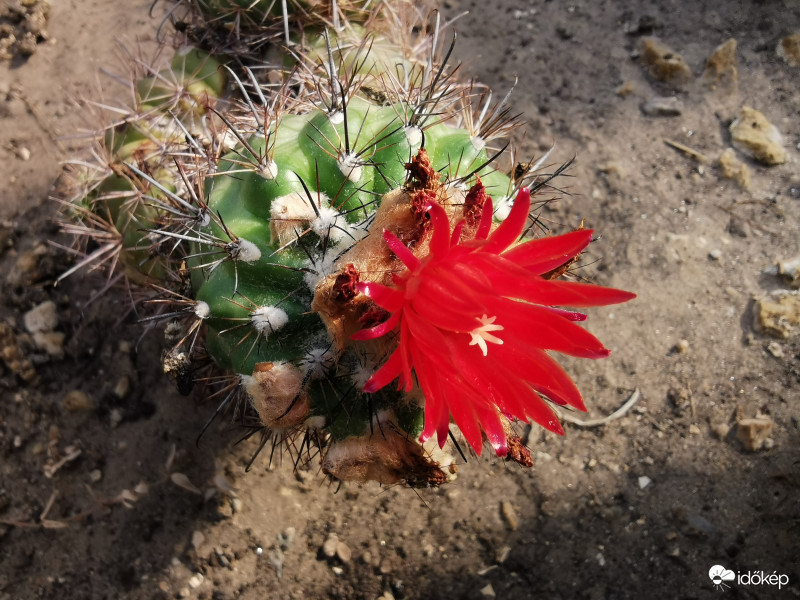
x,y
510,229
385,297
509,280
456,237
440,242
529,325
567,314
545,254
437,414
385,375
493,428
378,330
543,373
400,250
485,224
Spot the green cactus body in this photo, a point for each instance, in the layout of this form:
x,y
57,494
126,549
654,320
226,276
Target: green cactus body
x,y
260,310
192,80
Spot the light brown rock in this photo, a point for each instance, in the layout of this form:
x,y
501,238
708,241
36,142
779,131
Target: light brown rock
x,y
664,64
755,136
721,68
732,168
778,315
789,49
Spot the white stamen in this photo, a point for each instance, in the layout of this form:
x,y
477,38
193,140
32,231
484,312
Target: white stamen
x,y
480,335
268,319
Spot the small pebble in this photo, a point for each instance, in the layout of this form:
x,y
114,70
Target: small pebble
x,y
487,591
701,524
122,387
694,429
510,515
197,539
775,349
662,107
644,481
601,559
195,580
51,342
715,254
78,401
115,417
330,545
682,346
721,430
754,433
337,570
343,552
43,317
95,476
23,153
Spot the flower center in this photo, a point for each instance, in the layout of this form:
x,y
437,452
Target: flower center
x,y
481,335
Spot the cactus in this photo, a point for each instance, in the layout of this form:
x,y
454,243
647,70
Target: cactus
x,y
114,199
361,229
246,29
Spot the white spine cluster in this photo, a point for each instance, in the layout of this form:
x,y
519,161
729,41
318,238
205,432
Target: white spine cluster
x,y
268,169
268,319
330,223
350,166
248,252
320,269
413,136
201,309
502,208
317,362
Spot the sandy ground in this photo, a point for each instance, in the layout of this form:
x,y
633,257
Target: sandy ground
x,y
104,494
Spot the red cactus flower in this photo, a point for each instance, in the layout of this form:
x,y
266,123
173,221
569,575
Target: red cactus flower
x,y
476,319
